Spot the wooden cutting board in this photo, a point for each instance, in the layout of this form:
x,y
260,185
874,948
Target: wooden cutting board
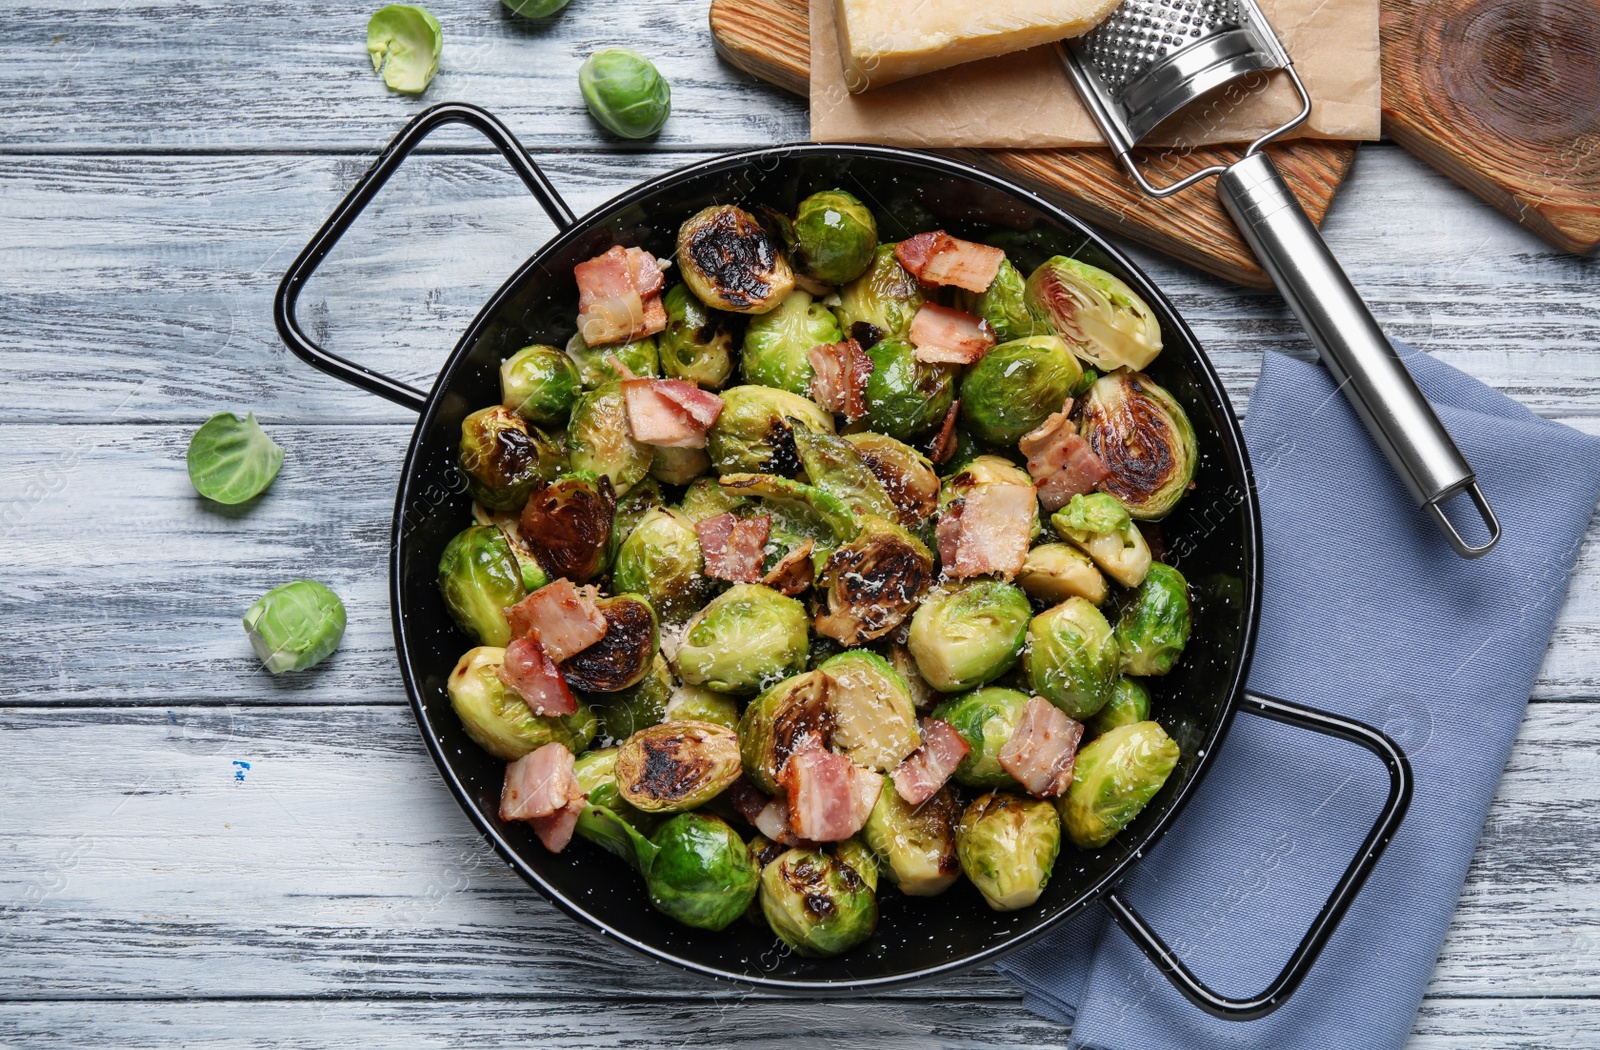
x,y
1504,97
770,39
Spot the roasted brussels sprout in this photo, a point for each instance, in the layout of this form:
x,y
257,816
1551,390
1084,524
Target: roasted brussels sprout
x,y
1005,306
696,703
661,560
701,873
787,718
776,343
885,297
915,845
641,705
1129,703
963,637
706,498
504,459
539,383
1155,621
730,263
625,92
479,576
1146,441
834,237
906,397
597,365
1072,657
987,469
597,777
697,344
1008,847
568,524
1114,776
1101,528
747,637
599,440
837,468
755,431
905,474
498,720
855,853
923,695
1016,386
803,509
985,718
1055,572
873,582
510,525
874,720
817,904
1098,315
677,766
678,466
623,656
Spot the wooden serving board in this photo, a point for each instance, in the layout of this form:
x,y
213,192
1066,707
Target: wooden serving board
x,y
770,39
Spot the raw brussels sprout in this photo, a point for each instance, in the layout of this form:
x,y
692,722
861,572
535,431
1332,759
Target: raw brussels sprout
x,y
1072,657
661,560
730,263
498,720
915,845
696,703
816,904
623,656
1008,847
905,474
885,297
1145,439
776,343
679,466
873,582
295,626
855,853
697,344
479,577
748,636
906,397
1098,315
985,718
539,383
833,465
706,498
1054,572
803,509
597,365
834,237
641,705
755,431
1154,625
963,637
404,42
781,721
599,440
1100,526
1114,776
625,92
701,873
1129,703
1005,306
568,524
1016,386
874,720
232,460
677,766
597,777
504,459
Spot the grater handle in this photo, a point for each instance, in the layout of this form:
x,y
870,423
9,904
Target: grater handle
x,y
1352,346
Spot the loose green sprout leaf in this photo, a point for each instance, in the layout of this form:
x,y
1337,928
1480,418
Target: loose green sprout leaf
x,y
404,41
625,92
295,626
232,459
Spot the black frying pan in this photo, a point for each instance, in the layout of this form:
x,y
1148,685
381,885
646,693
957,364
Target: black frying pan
x,y
1214,537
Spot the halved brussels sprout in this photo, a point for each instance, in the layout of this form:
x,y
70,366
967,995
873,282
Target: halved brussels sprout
x,y
600,442
835,236
873,582
677,766
568,524
963,637
661,560
817,904
755,431
1146,441
504,459
776,343
906,397
855,853
1129,703
1099,316
916,845
1008,847
787,718
1115,775
874,720
597,777
1005,305
905,474
641,705
1054,572
884,297
498,720
478,577
730,263
1016,386
1100,526
802,509
1072,657
1155,621
985,718
834,466
697,344
705,498
623,656
539,383
747,637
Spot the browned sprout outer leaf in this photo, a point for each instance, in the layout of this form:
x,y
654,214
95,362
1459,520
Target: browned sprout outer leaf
x,y
622,657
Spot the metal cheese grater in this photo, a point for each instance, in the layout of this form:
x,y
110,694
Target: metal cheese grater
x,y
1150,59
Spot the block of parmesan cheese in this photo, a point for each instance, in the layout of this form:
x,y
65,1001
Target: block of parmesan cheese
x,y
883,41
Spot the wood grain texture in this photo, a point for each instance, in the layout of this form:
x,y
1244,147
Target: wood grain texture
x,y
1503,97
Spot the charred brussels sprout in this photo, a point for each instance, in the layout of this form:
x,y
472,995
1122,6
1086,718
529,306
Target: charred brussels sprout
x,y
966,636
539,383
747,636
1116,774
1016,386
1004,305
985,718
625,92
906,397
697,344
905,474
661,560
677,766
834,237
504,459
597,365
1008,847
755,431
1146,441
816,904
498,720
915,845
700,872
787,718
1129,703
623,656
730,263
479,576
568,524
1102,529
854,852
776,343
885,297
836,467
600,442
873,717
1155,622
1072,657
873,582
801,508
1099,316
1054,572
597,778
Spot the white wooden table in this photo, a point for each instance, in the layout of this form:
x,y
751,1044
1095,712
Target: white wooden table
x,y
160,164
